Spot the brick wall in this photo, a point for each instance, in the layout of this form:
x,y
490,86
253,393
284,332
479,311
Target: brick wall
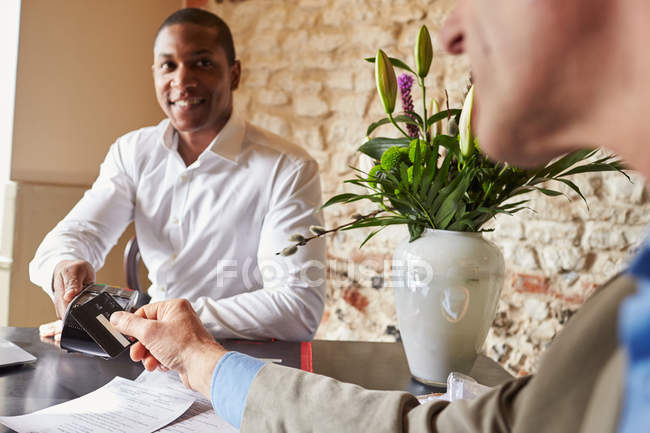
x,y
304,78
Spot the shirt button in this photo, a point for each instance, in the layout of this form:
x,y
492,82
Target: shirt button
x,y
163,289
183,178
173,258
175,220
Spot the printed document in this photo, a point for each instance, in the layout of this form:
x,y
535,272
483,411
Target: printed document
x,y
200,417
121,405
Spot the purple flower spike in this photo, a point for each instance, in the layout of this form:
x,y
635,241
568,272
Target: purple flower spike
x,y
405,83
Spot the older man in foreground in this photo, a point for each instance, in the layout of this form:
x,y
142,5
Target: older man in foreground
x,y
551,76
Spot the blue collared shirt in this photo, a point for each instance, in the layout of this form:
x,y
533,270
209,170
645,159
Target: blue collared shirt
x,y
231,380
634,333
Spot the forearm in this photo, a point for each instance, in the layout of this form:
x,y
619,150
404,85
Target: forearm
x,y
309,402
93,225
291,315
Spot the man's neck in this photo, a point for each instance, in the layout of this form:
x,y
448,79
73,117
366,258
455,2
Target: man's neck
x,y
192,144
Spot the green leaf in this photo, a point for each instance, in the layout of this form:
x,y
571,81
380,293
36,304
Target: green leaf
x,y
593,168
574,187
428,173
395,62
449,205
443,115
370,236
448,142
548,192
415,231
439,180
375,147
377,222
565,162
402,118
417,167
346,198
403,172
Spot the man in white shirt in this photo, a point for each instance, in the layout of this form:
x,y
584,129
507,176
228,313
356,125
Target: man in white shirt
x,y
213,199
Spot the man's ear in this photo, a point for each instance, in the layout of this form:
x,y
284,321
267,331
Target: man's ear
x,y
235,74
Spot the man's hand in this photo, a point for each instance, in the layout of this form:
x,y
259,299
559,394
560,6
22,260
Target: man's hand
x,y
170,335
70,277
51,330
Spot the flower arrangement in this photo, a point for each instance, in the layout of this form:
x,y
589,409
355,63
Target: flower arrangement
x,y
427,178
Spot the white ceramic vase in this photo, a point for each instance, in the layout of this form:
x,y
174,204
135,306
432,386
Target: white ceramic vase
x,y
447,287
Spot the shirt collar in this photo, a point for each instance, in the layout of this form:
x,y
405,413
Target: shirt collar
x,y
227,143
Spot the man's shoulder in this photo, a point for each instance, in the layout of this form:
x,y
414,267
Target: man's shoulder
x,y
263,144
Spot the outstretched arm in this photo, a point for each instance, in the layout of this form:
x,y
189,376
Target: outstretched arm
x,y
67,258
274,398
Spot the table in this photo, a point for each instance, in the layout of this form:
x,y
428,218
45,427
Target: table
x,y
58,376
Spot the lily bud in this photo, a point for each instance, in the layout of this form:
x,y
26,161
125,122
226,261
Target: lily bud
x,y
434,108
386,81
465,127
423,52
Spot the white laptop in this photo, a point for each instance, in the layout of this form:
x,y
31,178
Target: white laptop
x,y
10,354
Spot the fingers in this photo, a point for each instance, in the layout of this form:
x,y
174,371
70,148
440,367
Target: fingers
x,y
50,329
150,363
70,277
75,277
132,324
138,351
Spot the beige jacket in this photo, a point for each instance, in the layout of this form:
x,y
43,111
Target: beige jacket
x,y
578,389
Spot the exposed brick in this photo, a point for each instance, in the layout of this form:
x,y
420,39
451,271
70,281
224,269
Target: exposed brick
x,y
530,283
277,125
627,191
272,97
326,41
602,236
309,138
356,299
561,257
310,106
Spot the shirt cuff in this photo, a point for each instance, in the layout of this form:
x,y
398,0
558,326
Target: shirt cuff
x,y
231,380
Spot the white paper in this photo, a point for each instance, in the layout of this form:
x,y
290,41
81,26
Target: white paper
x,y
121,405
200,417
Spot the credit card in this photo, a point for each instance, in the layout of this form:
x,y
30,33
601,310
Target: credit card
x,y
94,317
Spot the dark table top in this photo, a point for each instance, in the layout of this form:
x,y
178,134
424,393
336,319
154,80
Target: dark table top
x,y
58,376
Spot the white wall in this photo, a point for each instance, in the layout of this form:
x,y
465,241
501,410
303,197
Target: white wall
x,y
9,23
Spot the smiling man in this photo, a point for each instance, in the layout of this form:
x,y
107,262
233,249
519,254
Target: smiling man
x,y
212,198
550,75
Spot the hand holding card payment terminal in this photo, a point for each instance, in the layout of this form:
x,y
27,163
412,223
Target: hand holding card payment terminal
x,y
86,325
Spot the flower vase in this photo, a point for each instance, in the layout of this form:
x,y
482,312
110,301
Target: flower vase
x,y
447,287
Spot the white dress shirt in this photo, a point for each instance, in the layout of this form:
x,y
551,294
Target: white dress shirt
x,y
207,232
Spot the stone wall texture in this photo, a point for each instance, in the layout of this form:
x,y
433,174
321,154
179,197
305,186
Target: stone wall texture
x,y
304,78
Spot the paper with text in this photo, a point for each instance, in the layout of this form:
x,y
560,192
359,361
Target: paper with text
x,y
200,417
121,405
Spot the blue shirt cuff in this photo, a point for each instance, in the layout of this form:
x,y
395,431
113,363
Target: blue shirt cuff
x,y
231,380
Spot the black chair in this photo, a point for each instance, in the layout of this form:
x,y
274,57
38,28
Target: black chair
x,y
132,266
